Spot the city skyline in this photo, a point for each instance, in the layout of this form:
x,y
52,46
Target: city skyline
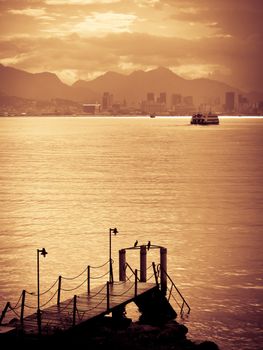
x,y
82,39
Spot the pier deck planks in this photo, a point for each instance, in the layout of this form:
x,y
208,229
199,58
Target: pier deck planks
x,y
89,306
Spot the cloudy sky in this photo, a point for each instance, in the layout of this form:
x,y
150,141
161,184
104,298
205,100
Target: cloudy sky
x,y
81,39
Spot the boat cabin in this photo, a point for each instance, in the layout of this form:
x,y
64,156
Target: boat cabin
x,y
204,119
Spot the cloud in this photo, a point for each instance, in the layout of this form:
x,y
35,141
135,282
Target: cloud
x,y
79,39
37,12
107,22
79,2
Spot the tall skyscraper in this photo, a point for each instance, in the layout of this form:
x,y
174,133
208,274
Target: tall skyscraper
x,y
163,97
107,100
150,97
230,101
176,99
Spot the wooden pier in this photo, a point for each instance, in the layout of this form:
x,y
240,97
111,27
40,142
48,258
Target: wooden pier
x,y
152,296
86,307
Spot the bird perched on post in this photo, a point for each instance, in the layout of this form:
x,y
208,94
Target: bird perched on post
x,y
148,245
136,242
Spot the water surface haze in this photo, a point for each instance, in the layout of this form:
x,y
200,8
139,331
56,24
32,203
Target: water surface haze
x,y
196,190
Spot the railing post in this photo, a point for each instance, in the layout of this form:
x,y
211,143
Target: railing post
x,y
122,265
59,289
4,312
88,279
74,310
163,263
182,309
39,321
136,283
143,256
22,306
108,296
155,274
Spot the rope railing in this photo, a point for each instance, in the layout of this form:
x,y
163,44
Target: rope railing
x,y
45,292
71,289
149,278
49,300
98,267
75,277
75,313
101,276
133,271
121,294
9,307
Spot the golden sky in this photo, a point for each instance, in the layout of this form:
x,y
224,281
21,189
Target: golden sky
x,y
81,39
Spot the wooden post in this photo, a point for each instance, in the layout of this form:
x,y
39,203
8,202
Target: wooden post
x,y
74,310
88,279
108,296
122,265
4,312
163,263
155,273
143,256
22,306
59,290
136,282
39,321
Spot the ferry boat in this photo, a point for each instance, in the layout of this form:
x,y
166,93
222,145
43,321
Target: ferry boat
x,y
205,119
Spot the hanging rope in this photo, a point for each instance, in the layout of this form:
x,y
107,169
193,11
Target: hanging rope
x,y
16,305
71,289
73,278
98,267
49,299
118,295
43,293
98,277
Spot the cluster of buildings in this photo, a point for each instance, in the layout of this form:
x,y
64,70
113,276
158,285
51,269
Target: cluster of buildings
x,y
176,104
154,103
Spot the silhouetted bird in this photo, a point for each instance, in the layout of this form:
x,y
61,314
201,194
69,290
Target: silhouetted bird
x,y
148,245
136,242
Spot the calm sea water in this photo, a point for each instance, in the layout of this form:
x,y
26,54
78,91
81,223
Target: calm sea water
x,y
196,190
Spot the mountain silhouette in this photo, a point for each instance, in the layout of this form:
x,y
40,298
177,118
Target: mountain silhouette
x,y
133,87
38,86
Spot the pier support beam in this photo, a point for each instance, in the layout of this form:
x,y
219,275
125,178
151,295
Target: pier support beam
x,y
143,256
163,263
122,265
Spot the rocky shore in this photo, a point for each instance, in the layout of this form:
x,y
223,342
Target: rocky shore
x,y
106,334
137,336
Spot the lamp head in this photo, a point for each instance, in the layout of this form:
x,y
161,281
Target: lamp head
x,y
43,252
114,230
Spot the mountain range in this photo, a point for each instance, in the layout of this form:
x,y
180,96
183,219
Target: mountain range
x,y
133,87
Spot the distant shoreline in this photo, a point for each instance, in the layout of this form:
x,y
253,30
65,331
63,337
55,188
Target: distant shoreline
x,y
123,116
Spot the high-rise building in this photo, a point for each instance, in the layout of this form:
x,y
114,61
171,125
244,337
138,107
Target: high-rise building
x,y
107,100
150,97
188,100
230,101
176,99
163,97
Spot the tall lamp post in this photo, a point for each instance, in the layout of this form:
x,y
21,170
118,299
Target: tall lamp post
x,y
114,231
44,253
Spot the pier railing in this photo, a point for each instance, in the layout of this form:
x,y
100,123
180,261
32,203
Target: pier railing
x,y
174,292
56,289
75,313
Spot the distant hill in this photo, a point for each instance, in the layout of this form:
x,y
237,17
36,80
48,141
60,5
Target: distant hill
x,y
133,87
39,86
